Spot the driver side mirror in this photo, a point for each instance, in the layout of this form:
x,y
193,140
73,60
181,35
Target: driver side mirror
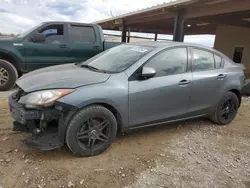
x,y
148,72
38,37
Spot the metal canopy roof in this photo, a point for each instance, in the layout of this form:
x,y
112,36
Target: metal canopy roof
x,y
202,17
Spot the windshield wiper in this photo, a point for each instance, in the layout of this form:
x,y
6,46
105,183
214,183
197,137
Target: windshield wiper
x,y
94,69
91,68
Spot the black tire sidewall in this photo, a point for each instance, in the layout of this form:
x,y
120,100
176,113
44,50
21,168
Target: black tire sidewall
x,y
76,122
12,75
227,96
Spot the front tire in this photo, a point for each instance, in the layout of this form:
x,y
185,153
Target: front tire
x,y
91,131
8,75
226,109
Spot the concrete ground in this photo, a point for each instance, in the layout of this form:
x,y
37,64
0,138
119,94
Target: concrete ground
x,y
194,153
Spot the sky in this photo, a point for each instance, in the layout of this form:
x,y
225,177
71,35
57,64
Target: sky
x,y
16,16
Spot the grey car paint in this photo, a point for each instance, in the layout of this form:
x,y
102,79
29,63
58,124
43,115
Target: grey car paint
x,y
144,101
68,76
172,98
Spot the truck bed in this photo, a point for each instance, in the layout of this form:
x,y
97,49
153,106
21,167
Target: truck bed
x,y
107,45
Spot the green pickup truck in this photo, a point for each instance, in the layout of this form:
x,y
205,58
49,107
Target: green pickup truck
x,y
48,44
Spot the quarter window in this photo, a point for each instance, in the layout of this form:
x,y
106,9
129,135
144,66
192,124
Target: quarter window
x,y
203,60
169,62
82,34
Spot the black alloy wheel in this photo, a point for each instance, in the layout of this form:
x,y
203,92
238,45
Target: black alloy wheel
x,y
91,131
226,109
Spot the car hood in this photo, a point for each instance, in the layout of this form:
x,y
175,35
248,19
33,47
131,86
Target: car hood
x,y
61,76
5,38
9,39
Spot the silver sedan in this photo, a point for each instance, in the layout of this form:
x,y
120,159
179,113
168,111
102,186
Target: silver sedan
x,y
84,105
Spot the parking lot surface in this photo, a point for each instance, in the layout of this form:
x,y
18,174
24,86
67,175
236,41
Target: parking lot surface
x,y
194,153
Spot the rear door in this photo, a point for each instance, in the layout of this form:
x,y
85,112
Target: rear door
x,y
208,79
84,42
53,51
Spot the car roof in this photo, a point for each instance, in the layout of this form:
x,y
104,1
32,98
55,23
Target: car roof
x,y
162,44
67,22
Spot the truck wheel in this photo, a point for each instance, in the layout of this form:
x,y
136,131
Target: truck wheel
x,y
8,75
91,131
226,109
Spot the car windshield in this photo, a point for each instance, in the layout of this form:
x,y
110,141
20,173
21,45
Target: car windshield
x,y
28,31
116,59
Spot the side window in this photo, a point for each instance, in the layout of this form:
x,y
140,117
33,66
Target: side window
x,y
203,60
82,34
54,34
218,61
169,62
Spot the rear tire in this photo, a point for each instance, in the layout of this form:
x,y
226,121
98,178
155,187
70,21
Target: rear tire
x,y
8,75
226,109
91,131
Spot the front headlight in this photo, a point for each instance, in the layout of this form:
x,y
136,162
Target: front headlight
x,y
43,98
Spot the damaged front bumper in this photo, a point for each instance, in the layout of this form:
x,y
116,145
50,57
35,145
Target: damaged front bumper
x,y
42,123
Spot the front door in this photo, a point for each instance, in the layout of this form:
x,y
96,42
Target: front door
x,y
53,51
164,96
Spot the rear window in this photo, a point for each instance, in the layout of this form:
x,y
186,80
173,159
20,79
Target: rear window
x,y
82,34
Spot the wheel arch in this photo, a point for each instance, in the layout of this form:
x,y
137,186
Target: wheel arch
x,y
65,119
110,105
237,93
10,58
115,112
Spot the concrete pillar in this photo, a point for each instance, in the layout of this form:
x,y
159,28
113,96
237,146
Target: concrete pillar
x,y
156,35
124,33
128,38
179,26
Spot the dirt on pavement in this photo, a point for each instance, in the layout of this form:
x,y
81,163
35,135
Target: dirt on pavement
x,y
194,153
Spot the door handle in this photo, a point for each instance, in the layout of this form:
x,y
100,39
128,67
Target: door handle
x,y
184,82
63,46
221,76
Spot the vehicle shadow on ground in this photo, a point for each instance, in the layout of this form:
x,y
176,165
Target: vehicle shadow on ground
x,y
136,141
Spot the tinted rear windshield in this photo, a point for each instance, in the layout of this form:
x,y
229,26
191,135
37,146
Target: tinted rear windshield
x,y
118,59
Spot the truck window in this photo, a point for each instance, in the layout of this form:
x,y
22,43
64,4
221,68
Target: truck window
x,y
82,34
54,34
